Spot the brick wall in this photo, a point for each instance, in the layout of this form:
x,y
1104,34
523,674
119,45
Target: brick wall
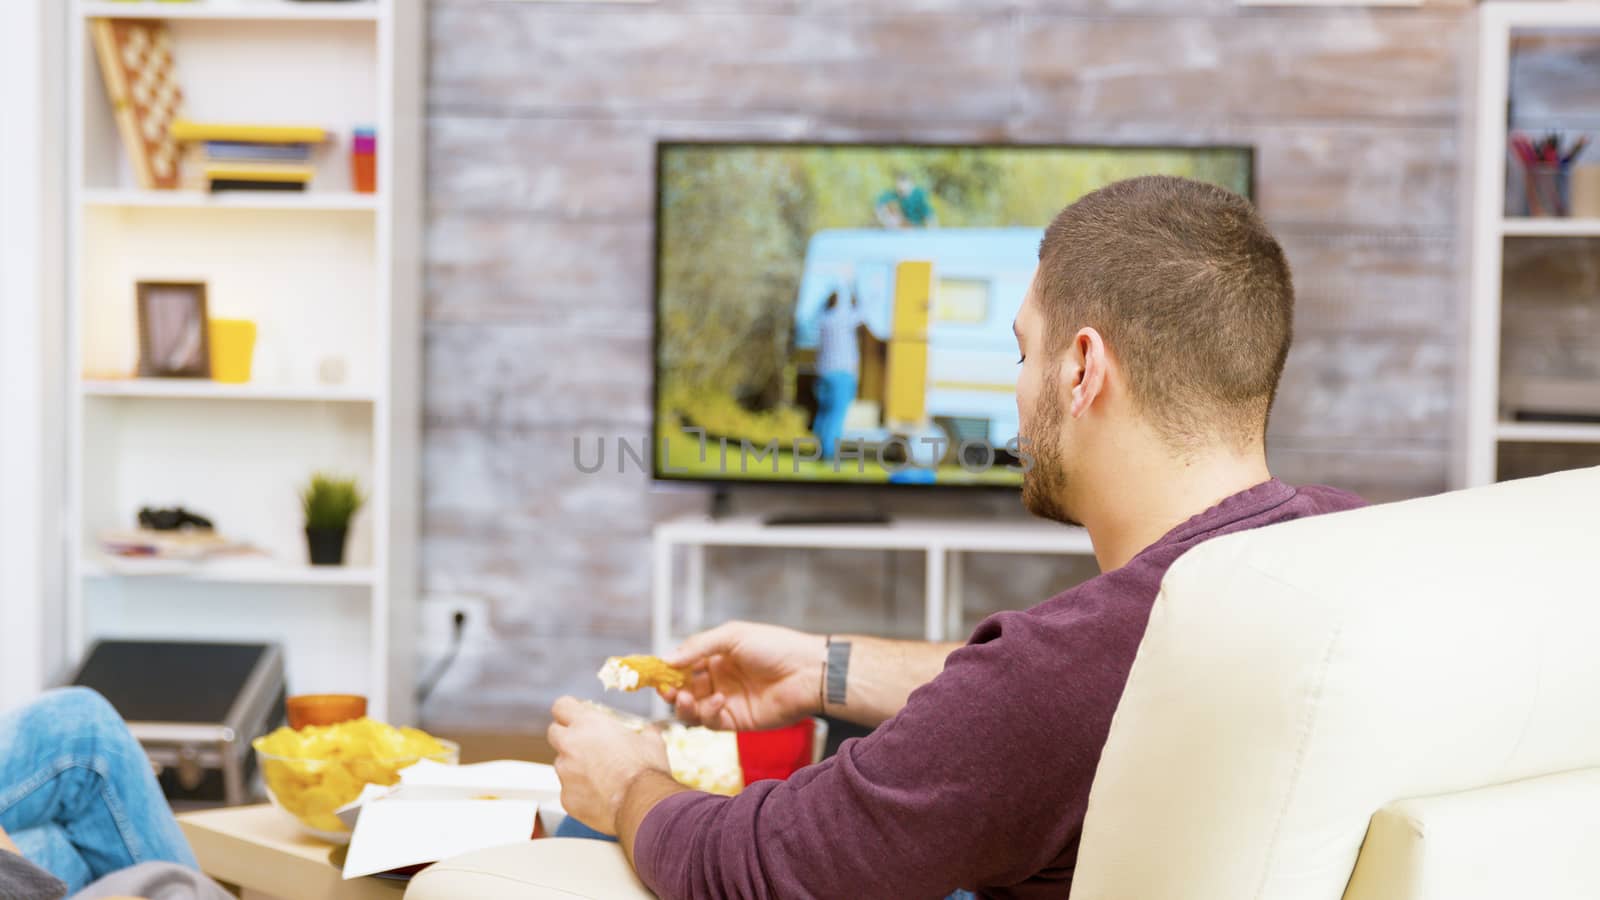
x,y
541,125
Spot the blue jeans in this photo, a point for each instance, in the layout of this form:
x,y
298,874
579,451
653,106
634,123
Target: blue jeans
x,y
77,793
835,391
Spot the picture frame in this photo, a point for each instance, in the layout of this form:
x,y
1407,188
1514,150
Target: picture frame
x,y
174,338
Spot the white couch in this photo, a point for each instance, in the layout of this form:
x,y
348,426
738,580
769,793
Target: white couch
x,y
1400,702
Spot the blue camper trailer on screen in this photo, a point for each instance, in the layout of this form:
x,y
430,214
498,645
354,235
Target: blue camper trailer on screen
x,y
937,353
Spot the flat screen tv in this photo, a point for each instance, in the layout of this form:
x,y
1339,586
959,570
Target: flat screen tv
x,y
841,313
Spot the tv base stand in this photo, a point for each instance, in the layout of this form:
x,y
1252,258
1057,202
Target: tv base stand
x,y
678,610
824,517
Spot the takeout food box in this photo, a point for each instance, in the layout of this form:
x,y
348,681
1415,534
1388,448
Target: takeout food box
x,y
438,811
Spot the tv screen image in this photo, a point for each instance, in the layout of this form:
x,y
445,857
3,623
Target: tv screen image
x,y
842,313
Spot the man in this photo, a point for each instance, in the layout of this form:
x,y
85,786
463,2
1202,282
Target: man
x,y
838,367
905,205
1152,341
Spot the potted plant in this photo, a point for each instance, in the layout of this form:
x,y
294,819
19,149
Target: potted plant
x,y
329,503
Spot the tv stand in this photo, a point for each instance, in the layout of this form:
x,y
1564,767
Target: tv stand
x,y
836,517
721,503
679,553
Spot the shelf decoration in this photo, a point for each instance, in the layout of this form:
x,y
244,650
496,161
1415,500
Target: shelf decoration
x,y
329,503
364,160
141,81
174,341
252,157
173,535
233,347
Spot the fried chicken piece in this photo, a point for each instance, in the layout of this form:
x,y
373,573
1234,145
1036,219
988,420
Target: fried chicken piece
x,y
630,673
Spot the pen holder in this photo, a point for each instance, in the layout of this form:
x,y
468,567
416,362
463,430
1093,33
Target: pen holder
x,y
1545,187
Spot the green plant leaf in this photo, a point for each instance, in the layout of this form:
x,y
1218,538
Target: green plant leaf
x,y
330,502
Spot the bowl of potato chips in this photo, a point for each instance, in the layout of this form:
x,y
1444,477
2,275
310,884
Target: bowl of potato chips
x,y
313,771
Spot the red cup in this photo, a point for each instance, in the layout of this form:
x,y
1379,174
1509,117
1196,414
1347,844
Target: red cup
x,y
777,753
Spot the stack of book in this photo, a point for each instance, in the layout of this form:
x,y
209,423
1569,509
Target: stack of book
x,y
251,157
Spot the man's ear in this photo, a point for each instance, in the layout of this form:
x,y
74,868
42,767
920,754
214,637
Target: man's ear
x,y
1088,356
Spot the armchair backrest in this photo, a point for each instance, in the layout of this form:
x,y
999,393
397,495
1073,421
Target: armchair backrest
x,y
1296,679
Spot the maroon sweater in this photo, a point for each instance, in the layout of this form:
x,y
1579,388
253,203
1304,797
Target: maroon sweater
x,y
981,781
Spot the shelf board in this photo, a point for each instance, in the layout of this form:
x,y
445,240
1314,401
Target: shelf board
x,y
270,10
1551,227
307,201
204,389
1549,432
231,571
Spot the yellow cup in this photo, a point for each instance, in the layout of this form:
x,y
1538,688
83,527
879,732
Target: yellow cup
x,y
233,347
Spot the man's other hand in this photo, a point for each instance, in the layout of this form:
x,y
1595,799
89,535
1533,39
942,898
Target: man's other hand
x,y
597,758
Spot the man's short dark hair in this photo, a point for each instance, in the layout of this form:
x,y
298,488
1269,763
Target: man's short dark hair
x,y
1191,293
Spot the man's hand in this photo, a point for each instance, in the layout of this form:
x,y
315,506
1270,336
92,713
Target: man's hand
x,y
597,758
748,677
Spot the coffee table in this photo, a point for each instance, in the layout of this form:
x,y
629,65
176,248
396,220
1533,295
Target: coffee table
x,y
259,849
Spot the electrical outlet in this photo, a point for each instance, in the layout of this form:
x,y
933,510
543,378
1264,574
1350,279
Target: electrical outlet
x,y
436,620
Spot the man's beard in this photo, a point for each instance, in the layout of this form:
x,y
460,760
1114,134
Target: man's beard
x,y
1044,484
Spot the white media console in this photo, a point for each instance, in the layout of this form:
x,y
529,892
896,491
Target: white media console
x,y
944,543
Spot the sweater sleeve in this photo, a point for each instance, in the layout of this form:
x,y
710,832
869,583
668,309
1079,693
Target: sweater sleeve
x,y
980,780
22,880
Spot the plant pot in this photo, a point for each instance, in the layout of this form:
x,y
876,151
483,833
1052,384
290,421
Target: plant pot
x,y
326,545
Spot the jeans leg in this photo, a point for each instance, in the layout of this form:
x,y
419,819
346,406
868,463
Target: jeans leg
x,y
572,828
68,761
49,848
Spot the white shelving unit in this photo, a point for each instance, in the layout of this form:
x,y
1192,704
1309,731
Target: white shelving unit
x,y
1498,25
235,10
321,201
242,571
178,388
326,274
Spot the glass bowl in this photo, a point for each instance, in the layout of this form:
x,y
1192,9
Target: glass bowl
x,y
311,790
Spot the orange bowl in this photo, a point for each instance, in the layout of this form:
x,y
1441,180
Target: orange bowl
x,y
324,709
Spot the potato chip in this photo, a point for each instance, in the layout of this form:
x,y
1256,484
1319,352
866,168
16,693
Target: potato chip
x,y
317,769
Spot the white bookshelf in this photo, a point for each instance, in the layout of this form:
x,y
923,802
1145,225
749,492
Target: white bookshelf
x,y
231,571
318,201
235,10
200,389
328,274
1485,430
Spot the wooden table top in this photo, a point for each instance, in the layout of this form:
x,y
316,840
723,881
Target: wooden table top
x,y
262,849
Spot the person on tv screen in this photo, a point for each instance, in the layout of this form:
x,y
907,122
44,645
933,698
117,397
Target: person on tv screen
x,y
838,368
1151,343
905,205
